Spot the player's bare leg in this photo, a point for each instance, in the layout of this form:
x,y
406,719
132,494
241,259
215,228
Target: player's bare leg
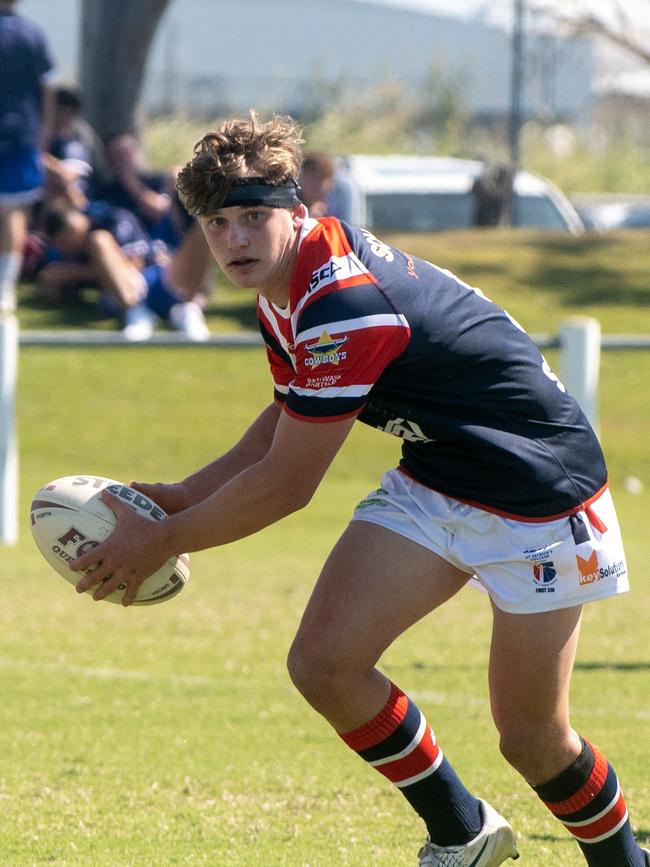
x,y
375,585
531,661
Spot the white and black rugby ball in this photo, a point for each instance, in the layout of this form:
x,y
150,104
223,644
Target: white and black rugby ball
x,y
68,518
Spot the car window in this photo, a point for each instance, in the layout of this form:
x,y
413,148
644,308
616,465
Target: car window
x,y
419,212
431,212
538,212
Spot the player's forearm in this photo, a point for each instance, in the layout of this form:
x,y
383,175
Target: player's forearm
x,y
256,498
250,449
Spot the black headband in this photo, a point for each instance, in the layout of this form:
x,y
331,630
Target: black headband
x,y
257,191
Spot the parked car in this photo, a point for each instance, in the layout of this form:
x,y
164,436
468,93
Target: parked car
x,y
603,213
425,194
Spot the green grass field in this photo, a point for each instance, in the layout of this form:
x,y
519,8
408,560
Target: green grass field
x,y
539,277
171,735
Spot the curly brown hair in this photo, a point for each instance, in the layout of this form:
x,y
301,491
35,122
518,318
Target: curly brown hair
x,y
270,150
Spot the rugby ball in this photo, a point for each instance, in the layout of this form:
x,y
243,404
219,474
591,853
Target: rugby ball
x,y
68,518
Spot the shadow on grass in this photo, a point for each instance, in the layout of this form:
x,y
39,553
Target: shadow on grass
x,y
418,665
589,270
642,836
225,308
550,838
426,666
79,311
612,666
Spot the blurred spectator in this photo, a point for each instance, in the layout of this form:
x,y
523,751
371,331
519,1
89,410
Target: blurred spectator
x,y
106,247
26,107
135,187
317,181
75,161
492,193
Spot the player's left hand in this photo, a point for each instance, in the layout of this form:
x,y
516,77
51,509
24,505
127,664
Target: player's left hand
x,y
132,552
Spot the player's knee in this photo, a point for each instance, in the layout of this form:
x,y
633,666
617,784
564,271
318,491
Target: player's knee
x,y
313,666
304,663
518,747
533,749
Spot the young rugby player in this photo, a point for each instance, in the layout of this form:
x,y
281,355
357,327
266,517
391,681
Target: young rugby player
x,y
501,478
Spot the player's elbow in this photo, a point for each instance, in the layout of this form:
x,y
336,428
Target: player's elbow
x,y
293,500
294,494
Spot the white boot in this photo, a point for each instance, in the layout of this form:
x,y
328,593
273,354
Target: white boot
x,y
493,845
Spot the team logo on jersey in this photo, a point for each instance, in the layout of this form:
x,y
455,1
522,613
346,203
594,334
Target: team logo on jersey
x,y
406,430
326,350
544,575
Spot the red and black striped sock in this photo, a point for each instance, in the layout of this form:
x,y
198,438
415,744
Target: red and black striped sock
x,y
399,743
587,799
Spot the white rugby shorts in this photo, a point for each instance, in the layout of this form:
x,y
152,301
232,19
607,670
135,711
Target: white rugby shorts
x,y
525,566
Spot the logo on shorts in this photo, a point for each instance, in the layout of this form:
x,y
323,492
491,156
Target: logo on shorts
x,y
589,570
544,576
539,555
375,499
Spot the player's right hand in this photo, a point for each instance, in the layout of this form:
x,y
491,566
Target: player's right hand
x,y
170,497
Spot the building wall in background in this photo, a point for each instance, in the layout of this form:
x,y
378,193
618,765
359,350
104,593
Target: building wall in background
x,y
213,56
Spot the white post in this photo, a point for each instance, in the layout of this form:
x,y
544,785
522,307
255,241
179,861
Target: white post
x,y
8,448
580,362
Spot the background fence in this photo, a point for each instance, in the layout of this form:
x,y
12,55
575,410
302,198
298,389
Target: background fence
x,y
579,340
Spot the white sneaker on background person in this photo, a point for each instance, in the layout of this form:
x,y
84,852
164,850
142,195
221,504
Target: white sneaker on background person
x,y
187,317
139,323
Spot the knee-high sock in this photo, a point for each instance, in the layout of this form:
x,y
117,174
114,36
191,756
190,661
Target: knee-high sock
x,y
587,798
399,743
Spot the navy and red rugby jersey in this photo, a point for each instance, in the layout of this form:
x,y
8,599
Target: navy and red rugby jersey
x,y
412,350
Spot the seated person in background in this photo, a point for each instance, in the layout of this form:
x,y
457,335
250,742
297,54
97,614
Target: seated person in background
x,y
135,187
75,162
106,247
316,182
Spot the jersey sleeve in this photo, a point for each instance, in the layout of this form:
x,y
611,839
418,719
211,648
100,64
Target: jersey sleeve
x,y
344,340
280,363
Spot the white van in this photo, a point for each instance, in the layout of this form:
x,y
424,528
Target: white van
x,y
428,194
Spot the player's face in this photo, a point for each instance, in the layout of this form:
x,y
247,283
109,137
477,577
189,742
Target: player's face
x,y
255,246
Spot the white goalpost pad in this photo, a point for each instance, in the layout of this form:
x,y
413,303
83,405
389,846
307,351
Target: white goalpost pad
x,y
8,447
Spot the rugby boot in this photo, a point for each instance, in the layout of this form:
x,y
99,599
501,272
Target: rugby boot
x,y
491,847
